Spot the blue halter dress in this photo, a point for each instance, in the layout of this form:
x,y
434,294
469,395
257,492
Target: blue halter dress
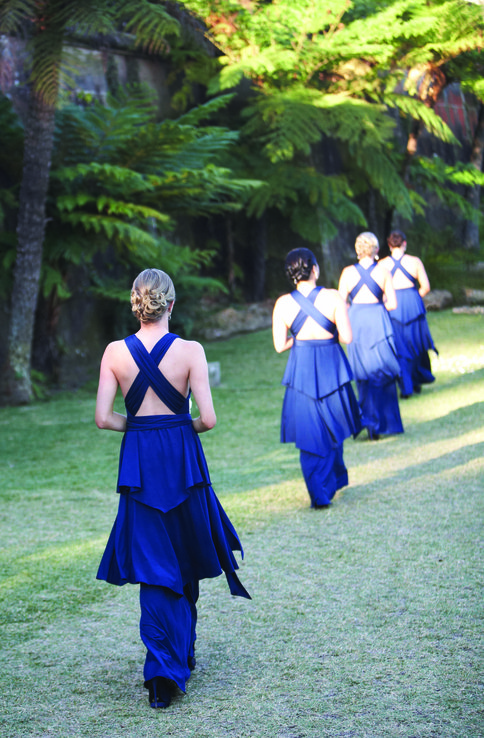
x,y
319,409
170,530
373,358
412,335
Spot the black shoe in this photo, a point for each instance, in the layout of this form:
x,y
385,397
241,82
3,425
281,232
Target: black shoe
x,y
417,389
372,436
321,507
159,692
192,662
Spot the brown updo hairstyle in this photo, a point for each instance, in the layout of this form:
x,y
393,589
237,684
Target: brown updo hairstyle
x,y
366,244
396,239
299,265
151,295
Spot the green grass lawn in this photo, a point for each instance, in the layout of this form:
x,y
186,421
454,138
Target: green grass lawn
x,y
366,618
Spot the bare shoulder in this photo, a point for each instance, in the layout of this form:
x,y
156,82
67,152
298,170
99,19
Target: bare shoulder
x,y
415,260
191,349
387,262
381,270
114,349
347,270
282,301
330,296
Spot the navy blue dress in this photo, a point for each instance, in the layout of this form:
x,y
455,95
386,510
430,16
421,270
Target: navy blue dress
x,y
319,409
170,530
412,335
373,358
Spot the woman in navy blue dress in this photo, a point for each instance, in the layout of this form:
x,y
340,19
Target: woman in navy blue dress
x,y
170,531
372,354
412,335
319,409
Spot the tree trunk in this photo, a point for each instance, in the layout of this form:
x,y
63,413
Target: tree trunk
x,y
258,235
473,195
230,255
15,385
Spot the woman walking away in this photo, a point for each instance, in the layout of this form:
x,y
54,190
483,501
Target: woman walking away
x,y
319,409
170,530
372,354
409,320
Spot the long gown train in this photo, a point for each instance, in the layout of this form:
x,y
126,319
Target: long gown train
x,y
171,530
413,339
319,409
373,358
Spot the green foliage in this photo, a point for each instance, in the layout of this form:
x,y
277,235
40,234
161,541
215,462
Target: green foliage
x,y
145,25
435,177
448,264
122,181
323,70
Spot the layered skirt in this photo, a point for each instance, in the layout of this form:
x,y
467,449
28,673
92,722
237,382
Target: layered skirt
x,y
319,412
373,359
413,340
170,532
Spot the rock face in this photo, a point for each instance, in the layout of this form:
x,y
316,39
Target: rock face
x,y
469,309
214,373
255,316
474,297
438,300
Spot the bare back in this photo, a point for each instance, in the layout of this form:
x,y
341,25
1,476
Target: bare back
x,y
328,302
413,266
184,366
350,278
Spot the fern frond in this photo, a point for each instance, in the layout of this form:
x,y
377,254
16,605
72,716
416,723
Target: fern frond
x,y
294,120
435,176
126,234
205,111
13,14
151,24
383,176
126,179
419,111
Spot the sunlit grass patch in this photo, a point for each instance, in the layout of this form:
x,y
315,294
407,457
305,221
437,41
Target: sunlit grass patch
x,y
366,618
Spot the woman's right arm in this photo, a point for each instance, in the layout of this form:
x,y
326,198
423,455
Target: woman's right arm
x,y
279,328
343,285
105,416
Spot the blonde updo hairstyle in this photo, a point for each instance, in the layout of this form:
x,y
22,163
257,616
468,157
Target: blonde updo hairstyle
x,y
366,244
151,295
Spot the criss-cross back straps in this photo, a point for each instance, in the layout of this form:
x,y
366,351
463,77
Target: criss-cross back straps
x,y
308,309
366,279
150,376
398,265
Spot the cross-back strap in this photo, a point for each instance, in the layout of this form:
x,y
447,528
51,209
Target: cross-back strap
x,y
150,376
309,309
398,265
366,279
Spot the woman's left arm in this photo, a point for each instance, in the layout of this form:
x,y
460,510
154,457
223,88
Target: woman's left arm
x,y
423,280
342,320
105,416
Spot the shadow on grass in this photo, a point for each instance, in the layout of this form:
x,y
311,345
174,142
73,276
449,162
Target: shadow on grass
x,y
434,466
472,415
447,381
